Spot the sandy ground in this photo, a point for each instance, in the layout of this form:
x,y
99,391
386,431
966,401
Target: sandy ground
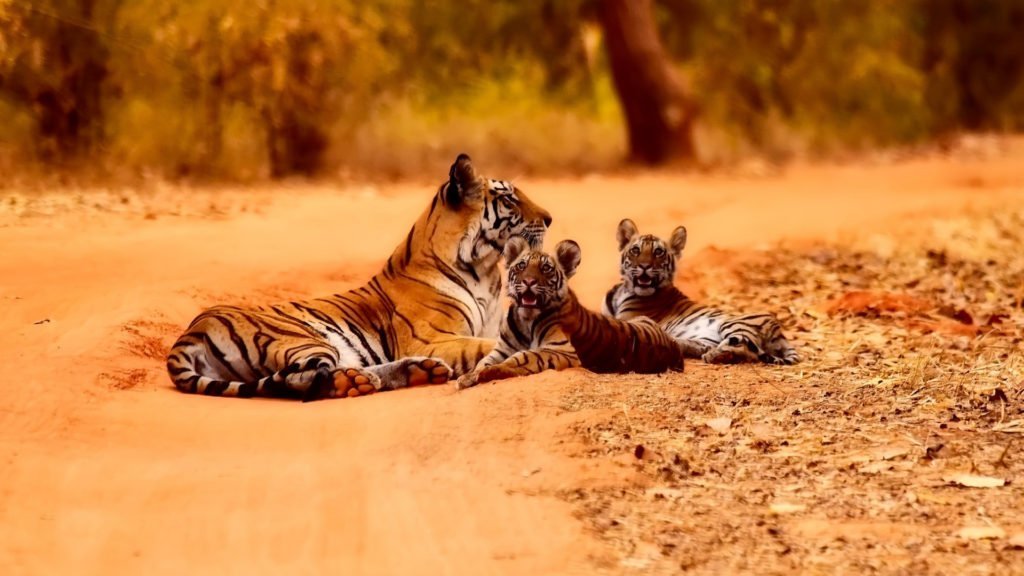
x,y
107,469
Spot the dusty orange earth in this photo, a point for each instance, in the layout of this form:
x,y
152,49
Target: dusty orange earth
x,y
107,469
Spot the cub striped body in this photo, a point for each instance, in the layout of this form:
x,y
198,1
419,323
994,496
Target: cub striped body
x,y
648,267
431,312
546,328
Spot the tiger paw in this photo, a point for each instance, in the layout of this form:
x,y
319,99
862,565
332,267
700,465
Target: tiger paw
x,y
497,372
721,356
421,371
787,359
345,383
733,351
694,348
467,381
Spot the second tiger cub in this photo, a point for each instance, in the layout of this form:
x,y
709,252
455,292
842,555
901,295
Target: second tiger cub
x,y
546,327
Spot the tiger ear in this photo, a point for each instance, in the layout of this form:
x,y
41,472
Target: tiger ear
x,y
514,248
678,241
568,254
462,180
626,232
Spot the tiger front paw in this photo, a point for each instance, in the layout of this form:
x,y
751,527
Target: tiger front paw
x,y
467,380
498,372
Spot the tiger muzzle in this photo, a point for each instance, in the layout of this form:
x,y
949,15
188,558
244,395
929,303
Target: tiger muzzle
x,y
527,296
644,279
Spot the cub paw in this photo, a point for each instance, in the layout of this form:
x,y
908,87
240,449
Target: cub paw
x,y
467,381
721,356
497,372
788,359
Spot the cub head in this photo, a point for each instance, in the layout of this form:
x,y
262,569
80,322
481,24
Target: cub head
x,y
648,262
537,280
488,212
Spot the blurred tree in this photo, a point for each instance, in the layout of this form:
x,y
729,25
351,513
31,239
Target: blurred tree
x,y
659,113
294,114
974,58
54,60
242,89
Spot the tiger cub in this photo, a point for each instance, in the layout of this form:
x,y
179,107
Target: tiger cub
x,y
546,327
648,267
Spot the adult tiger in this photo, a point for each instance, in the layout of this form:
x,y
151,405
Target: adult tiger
x,y
547,328
431,312
648,267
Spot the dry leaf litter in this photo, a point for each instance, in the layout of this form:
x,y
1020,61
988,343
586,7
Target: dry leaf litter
x,y
896,447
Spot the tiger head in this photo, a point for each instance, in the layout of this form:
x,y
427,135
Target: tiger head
x,y
485,214
648,262
536,280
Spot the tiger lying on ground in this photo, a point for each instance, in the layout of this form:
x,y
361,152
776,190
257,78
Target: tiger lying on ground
x,y
648,267
546,327
431,312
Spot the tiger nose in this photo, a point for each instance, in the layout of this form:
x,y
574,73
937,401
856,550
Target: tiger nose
x,y
529,282
547,219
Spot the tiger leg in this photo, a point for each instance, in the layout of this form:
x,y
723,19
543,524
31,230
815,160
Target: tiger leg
x,y
733,349
781,353
412,371
743,339
778,350
461,354
213,358
694,348
521,364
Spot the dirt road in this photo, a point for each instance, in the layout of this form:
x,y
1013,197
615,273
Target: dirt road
x,y
107,469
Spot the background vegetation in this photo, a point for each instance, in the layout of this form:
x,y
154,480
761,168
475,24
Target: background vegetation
x,y
234,89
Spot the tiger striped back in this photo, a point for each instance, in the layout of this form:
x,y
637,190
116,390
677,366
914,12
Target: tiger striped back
x,y
432,311
546,327
648,266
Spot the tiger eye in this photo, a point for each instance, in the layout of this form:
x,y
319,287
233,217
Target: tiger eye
x,y
635,250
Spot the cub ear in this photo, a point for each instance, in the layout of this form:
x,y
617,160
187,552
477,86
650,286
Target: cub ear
x,y
462,180
626,232
678,241
568,254
514,248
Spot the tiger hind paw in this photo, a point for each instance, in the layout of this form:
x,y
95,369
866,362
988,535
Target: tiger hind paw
x,y
423,371
341,383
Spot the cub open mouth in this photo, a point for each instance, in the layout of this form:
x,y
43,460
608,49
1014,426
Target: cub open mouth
x,y
644,280
528,300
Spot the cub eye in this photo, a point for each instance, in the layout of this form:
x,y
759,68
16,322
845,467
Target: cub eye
x,y
547,268
521,265
659,252
635,250
505,201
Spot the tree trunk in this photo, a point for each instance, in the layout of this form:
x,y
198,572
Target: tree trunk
x,y
211,97
69,112
659,114
296,117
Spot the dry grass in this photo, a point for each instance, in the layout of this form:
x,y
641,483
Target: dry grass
x,y
847,462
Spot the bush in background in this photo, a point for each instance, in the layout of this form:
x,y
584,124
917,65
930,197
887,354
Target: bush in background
x,y
228,89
